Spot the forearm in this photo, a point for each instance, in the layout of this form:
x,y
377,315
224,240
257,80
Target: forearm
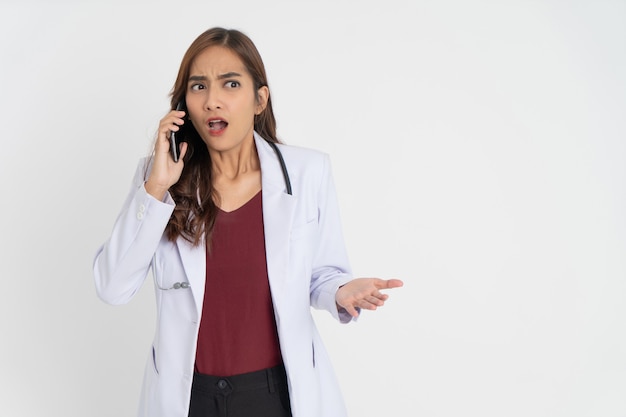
x,y
122,262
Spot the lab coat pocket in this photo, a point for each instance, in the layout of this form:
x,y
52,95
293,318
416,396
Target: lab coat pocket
x,y
167,278
304,230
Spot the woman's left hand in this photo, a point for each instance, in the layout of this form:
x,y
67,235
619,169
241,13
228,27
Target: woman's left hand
x,y
364,293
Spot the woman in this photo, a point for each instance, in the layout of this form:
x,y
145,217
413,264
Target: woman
x,y
242,235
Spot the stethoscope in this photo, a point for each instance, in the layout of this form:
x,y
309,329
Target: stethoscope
x,y
283,167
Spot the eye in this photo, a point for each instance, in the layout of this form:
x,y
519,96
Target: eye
x,y
196,87
232,84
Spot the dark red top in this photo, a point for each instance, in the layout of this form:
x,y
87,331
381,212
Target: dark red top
x,y
238,328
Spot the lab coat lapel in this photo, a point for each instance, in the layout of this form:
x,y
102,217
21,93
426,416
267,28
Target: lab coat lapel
x,y
278,211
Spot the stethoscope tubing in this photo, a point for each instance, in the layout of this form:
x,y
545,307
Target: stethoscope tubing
x,y
283,166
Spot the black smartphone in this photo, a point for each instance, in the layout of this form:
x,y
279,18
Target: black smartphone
x,y
174,142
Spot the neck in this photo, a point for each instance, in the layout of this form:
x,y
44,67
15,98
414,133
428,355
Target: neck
x,y
233,163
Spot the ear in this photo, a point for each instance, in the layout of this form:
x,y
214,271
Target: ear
x,y
263,95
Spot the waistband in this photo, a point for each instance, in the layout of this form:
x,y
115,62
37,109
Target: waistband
x,y
265,378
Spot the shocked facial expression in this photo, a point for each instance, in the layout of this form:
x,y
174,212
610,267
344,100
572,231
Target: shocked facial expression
x,y
222,99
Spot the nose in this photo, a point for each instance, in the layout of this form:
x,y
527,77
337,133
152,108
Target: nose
x,y
213,98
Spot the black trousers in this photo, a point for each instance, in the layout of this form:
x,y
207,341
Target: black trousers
x,y
256,394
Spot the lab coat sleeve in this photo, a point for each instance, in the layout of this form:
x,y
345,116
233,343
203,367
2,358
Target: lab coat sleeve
x,y
122,263
331,267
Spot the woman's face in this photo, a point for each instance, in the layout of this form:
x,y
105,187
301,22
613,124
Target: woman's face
x,y
221,99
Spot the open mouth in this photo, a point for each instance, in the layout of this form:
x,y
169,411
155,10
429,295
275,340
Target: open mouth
x,y
217,125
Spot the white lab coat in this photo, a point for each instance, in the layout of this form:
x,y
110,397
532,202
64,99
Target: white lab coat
x,y
306,264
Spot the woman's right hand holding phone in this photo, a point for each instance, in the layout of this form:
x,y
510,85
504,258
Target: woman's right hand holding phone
x,y
165,172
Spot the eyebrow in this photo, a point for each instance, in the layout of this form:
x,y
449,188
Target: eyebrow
x,y
219,77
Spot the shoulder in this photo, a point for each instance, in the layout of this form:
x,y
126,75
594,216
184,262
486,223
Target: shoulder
x,y
309,169
300,162
144,165
303,157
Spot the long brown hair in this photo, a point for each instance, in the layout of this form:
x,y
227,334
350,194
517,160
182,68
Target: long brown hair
x,y
195,211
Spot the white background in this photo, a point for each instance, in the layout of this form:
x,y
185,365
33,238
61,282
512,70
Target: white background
x,y
479,150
